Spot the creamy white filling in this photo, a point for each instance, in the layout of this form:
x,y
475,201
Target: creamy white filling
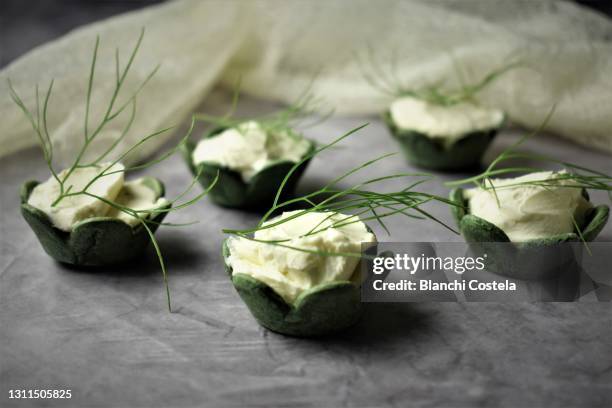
x,y
526,212
448,123
72,209
248,148
136,195
290,272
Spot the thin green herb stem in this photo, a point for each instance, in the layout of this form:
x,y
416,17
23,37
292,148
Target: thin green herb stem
x,y
347,206
89,87
593,179
40,126
389,84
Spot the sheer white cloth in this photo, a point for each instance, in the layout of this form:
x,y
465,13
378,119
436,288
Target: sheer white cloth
x,y
278,47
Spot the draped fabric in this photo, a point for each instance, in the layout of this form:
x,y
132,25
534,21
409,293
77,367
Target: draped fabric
x,y
278,48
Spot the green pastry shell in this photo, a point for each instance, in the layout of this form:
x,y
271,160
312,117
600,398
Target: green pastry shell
x,y
428,153
521,259
232,191
94,241
321,310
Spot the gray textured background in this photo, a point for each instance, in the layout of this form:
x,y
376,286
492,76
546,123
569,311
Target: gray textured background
x,y
106,334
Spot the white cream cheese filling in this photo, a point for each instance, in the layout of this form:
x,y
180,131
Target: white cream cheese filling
x,y
72,209
136,195
449,123
526,212
290,272
248,148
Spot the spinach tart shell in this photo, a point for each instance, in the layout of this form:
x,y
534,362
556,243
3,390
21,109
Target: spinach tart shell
x,y
324,309
422,151
533,259
232,191
94,241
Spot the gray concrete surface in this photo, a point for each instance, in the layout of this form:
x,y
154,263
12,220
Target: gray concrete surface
x,y
108,337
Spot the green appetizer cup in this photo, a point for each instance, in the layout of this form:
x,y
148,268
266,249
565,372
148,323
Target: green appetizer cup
x,y
530,260
232,191
324,309
422,151
94,241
